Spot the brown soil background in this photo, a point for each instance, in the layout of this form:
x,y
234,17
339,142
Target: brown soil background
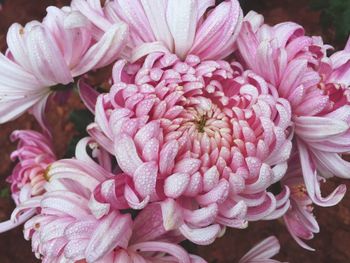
x,y
332,243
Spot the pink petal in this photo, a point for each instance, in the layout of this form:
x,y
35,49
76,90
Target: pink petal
x,y
167,157
111,232
126,154
175,250
202,217
219,31
46,59
88,95
156,14
217,195
201,236
145,178
176,184
315,129
262,251
188,165
312,183
105,51
181,17
171,214
210,178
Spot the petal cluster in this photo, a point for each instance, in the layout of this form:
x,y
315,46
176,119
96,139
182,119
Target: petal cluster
x,y
198,130
316,87
43,56
28,179
76,224
178,26
208,120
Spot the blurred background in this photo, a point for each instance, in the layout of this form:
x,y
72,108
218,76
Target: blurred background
x,y
329,18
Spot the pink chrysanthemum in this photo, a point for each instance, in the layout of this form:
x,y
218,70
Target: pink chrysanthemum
x,y
73,226
316,87
42,56
299,219
35,154
200,132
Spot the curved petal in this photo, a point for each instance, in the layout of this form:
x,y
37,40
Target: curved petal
x,y
312,183
266,249
201,236
10,224
105,51
156,14
175,250
103,240
46,59
318,129
182,21
88,95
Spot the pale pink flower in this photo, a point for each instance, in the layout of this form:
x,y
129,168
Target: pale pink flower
x,y
299,219
76,222
316,87
34,154
263,252
181,27
201,133
43,56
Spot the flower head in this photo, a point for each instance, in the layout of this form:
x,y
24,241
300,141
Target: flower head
x,y
316,87
77,223
41,56
29,177
299,219
34,154
200,131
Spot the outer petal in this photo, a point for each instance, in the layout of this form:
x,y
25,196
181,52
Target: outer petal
x,y
88,95
312,183
145,178
105,51
46,59
112,231
201,236
178,252
126,154
218,31
262,251
156,13
182,22
316,129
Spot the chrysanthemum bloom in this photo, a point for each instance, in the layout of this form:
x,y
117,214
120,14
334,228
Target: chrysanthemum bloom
x,y
76,222
181,27
34,154
263,252
299,219
200,132
43,56
316,87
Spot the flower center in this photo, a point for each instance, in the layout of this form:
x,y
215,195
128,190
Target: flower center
x,y
46,173
299,191
201,123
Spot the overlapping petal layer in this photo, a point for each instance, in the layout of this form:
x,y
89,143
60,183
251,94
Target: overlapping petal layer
x,y
42,56
316,87
76,224
180,27
34,154
200,132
